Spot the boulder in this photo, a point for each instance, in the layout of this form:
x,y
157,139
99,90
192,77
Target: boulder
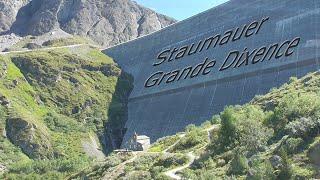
x,y
3,132
4,101
221,163
276,161
2,168
314,153
33,140
91,148
32,46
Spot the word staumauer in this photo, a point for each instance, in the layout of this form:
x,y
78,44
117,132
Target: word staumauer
x,y
234,59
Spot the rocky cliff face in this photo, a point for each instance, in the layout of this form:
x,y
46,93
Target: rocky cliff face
x,y
107,22
8,12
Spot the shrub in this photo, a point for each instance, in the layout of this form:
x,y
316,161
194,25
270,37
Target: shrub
x,y
206,125
304,127
138,175
261,170
227,132
292,145
239,165
285,171
156,171
253,135
194,137
303,172
163,143
190,127
171,160
292,107
216,119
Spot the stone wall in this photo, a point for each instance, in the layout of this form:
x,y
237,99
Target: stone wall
x,y
167,108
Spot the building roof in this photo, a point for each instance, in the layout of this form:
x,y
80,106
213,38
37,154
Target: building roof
x,y
142,137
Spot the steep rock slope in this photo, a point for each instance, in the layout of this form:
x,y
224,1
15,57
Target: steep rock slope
x,y
8,12
107,22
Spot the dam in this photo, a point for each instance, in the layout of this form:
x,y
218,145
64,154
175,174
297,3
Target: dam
x,y
188,72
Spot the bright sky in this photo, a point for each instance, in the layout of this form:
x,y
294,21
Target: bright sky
x,y
180,9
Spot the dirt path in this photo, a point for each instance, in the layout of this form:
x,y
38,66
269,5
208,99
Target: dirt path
x,y
44,49
120,168
174,144
172,173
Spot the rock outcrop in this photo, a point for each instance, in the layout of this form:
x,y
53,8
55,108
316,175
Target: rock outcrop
x,y
314,153
33,140
8,12
107,22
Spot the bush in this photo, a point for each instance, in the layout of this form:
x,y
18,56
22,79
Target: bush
x,y
216,119
304,128
168,161
138,175
194,137
285,171
227,132
244,126
239,165
253,135
261,170
292,107
190,127
292,145
205,125
163,143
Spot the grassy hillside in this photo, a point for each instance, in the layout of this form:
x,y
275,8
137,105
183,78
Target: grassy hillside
x,y
55,106
60,108
275,136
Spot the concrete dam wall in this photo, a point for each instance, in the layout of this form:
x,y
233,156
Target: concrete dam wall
x,y
188,72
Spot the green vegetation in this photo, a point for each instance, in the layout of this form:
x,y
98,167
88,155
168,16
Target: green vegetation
x,y
194,138
275,136
238,165
272,137
153,165
164,143
67,41
51,103
141,166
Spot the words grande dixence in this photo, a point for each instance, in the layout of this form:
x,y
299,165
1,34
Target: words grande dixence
x,y
234,59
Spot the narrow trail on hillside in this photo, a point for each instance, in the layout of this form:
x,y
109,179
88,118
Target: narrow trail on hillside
x,y
174,144
45,49
172,173
120,168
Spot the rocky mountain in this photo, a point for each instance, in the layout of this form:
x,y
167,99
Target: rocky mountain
x,y
107,22
8,12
